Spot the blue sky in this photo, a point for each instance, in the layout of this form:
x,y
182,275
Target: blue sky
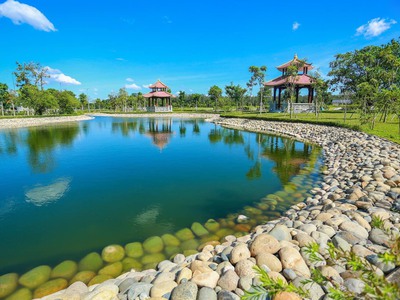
x,y
97,47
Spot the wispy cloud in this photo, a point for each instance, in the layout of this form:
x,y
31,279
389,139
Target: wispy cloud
x,y
57,76
146,85
374,27
20,13
120,59
133,86
295,26
128,21
167,20
130,79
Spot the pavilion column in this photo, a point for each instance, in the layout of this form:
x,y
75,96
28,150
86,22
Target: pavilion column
x,y
309,94
275,97
297,94
279,98
312,95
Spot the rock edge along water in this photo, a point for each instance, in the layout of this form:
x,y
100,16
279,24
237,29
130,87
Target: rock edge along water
x,y
361,181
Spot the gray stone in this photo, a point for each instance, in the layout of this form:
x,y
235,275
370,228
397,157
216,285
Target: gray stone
x,y
185,291
281,232
314,289
355,229
245,282
379,237
226,295
239,252
354,285
229,280
138,288
341,243
349,237
289,274
385,267
126,284
206,293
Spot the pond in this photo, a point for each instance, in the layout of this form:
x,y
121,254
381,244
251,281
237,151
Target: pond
x,y
71,189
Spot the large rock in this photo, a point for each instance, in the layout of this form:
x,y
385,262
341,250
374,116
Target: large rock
x,y
354,228
229,280
184,274
139,288
35,277
226,295
160,289
379,237
50,287
292,259
208,279
113,269
134,250
21,294
170,240
153,258
91,262
245,268
113,253
264,243
8,284
303,239
206,293
84,276
185,234
199,229
67,269
269,260
212,225
153,245
185,291
239,252
281,233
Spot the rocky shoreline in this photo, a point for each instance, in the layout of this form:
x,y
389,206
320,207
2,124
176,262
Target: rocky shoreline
x,y
161,115
361,182
29,122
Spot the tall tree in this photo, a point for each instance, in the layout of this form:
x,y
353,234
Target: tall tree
x,y
122,98
83,99
215,93
236,93
321,91
257,78
3,96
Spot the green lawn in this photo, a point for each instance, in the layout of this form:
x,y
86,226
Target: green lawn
x,y
388,130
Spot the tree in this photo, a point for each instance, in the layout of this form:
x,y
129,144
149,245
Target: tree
x,y
3,96
215,93
67,102
83,99
196,99
321,91
122,98
236,93
257,78
31,73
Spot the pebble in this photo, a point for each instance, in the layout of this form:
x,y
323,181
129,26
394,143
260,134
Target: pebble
x,y
185,291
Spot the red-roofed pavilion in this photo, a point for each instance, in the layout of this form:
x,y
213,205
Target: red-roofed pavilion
x,y
159,99
302,80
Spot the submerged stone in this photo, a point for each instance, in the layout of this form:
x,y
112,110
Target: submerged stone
x,y
170,240
21,294
113,253
153,258
134,250
153,244
99,279
212,225
8,284
185,234
84,276
113,269
67,269
223,232
199,229
91,262
171,251
35,277
189,252
129,263
50,287
190,245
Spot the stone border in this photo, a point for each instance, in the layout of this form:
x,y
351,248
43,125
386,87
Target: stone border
x,y
361,181
29,122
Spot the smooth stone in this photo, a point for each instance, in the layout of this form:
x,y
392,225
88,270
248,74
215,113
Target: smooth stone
x,y
275,276
162,277
349,237
8,284
170,240
289,274
394,277
385,267
113,253
206,293
245,282
129,263
229,280
328,230
185,273
314,289
239,252
134,250
354,228
91,262
153,245
361,251
199,229
287,296
160,289
308,228
185,234
341,243
354,285
281,232
245,268
113,269
153,258
292,259
208,279
379,237
50,287
103,292
99,279
264,243
67,269
126,284
226,295
190,245
172,251
303,239
139,288
269,260
21,294
185,291
77,287
212,225
35,277
84,276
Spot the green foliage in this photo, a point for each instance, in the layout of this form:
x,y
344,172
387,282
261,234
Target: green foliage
x,y
215,94
257,78
312,250
67,102
236,93
377,222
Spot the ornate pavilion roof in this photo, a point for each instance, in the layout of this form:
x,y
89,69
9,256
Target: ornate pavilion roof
x,y
297,61
159,94
302,79
158,85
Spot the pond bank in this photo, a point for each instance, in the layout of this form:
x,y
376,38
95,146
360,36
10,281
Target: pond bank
x,y
29,122
361,181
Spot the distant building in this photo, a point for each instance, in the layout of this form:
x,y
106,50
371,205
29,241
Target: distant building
x,y
159,99
341,101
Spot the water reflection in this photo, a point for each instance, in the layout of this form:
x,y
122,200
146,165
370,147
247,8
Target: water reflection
x,y
43,195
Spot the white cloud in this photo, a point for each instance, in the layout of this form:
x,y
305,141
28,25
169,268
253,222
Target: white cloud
x,y
295,26
58,76
120,59
146,85
374,27
133,86
20,13
167,20
130,79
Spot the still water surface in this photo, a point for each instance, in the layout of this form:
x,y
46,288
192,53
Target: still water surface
x,y
70,189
